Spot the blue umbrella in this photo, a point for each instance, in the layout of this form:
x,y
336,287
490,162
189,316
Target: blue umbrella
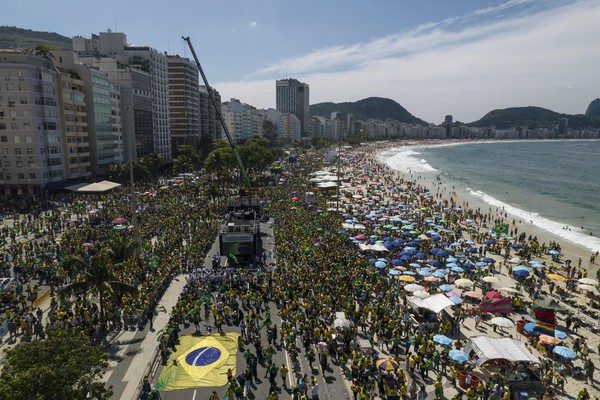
x,y
472,250
481,264
458,270
440,273
488,260
521,273
565,352
442,339
380,264
458,355
396,262
424,272
516,246
442,253
421,256
394,272
434,263
554,252
372,260
468,265
489,241
451,265
446,288
451,260
414,265
409,273
456,300
436,238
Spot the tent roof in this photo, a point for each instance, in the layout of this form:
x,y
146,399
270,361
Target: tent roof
x,y
435,303
98,187
373,247
488,348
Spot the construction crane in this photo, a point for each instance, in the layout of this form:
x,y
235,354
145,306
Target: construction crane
x,y
236,155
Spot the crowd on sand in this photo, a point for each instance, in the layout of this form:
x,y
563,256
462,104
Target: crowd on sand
x,y
317,276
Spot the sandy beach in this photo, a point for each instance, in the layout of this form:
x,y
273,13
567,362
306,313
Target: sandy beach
x,y
444,191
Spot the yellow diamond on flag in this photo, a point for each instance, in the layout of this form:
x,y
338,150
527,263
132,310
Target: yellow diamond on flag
x,y
200,361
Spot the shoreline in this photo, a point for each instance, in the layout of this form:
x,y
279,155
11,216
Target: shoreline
x,y
427,177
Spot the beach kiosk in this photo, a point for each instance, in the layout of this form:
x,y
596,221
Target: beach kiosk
x,y
509,360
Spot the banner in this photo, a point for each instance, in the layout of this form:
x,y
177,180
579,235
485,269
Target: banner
x,y
200,361
502,306
501,229
544,329
545,316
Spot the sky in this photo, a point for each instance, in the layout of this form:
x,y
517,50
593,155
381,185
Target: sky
x,y
434,57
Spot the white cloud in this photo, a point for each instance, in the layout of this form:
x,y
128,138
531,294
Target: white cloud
x,y
547,58
253,24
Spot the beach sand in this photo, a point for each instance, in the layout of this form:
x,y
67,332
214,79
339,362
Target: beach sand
x,y
569,251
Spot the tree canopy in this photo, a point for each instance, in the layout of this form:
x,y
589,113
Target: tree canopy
x,y
63,366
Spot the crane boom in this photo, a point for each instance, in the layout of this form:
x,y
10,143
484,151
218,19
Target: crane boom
x,y
236,155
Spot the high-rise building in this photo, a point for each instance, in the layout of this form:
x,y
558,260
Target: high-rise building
x,y
293,96
31,143
242,120
210,126
126,65
103,102
184,102
74,118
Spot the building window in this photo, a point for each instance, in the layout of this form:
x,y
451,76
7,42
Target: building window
x,y
32,175
19,164
20,175
17,151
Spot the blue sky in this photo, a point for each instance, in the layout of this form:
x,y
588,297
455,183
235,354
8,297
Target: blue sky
x,y
435,57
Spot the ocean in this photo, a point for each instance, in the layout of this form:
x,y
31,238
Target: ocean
x,y
553,184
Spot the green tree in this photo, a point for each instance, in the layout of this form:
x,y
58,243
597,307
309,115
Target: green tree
x,y
98,278
221,163
256,158
117,173
120,249
63,366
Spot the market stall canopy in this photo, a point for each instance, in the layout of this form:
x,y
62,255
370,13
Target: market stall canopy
x,y
98,187
488,349
356,226
435,303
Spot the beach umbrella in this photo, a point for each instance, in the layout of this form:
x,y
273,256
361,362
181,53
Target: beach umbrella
x,y
119,227
442,253
473,294
550,339
488,260
421,294
361,236
489,241
464,283
451,260
490,279
468,265
119,221
556,277
472,250
446,288
502,322
410,273
87,245
459,356
516,246
530,328
442,339
421,256
537,265
554,252
586,288
588,281
493,295
413,287
431,279
451,265
424,272
342,323
564,352
440,273
434,263
380,264
456,300
394,272
515,260
521,273
509,290
387,364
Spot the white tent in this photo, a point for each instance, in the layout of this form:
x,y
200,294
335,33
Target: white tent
x,y
98,187
435,303
488,349
372,247
356,226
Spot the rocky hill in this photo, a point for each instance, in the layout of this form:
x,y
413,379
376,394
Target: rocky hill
x,y
533,117
593,109
370,108
12,38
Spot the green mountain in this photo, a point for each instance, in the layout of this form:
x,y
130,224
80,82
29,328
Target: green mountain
x,y
533,117
593,109
369,108
12,38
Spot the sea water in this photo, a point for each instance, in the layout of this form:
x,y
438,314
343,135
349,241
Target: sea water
x,y
552,184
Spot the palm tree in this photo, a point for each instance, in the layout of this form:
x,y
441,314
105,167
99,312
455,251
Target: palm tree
x,y
97,279
120,249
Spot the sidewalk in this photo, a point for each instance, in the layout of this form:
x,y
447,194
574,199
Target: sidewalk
x,y
129,365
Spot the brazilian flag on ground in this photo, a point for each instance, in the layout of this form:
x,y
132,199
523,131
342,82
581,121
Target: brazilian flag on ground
x,y
501,229
200,361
